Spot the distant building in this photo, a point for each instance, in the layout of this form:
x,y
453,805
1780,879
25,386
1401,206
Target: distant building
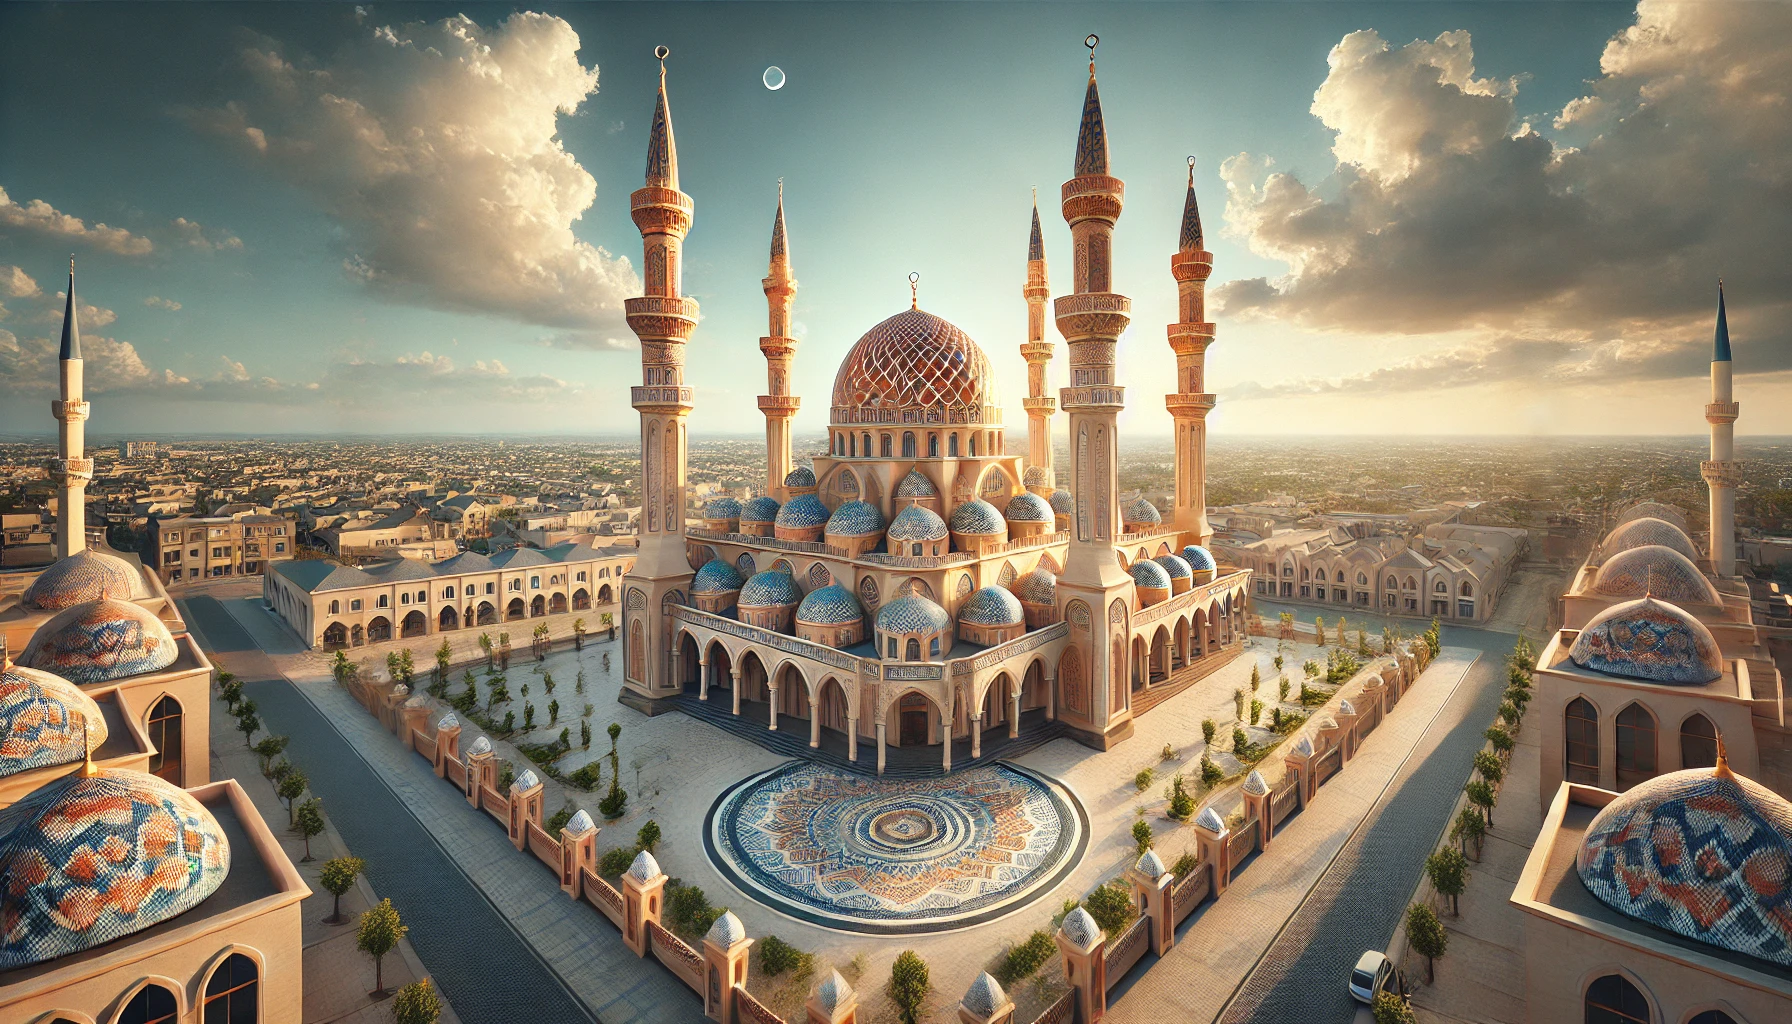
x,y
212,547
139,449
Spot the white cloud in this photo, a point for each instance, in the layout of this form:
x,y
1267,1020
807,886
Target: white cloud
x,y
194,234
89,315
40,218
434,147
18,284
157,302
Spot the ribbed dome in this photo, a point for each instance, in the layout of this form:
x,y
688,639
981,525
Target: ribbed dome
x,y
912,613
1036,587
1649,639
1639,532
1654,510
1027,507
716,577
914,485
769,589
763,509
801,476
1654,570
802,511
100,641
481,745
45,721
86,575
917,523
722,508
1702,853
90,859
979,518
914,360
832,605
1147,573
855,519
991,606
1139,512
1198,558
1175,567
1062,503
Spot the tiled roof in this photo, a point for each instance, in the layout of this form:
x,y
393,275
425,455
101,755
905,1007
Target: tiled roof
x,y
1649,639
517,558
763,509
1062,503
1141,512
1198,558
802,511
1637,532
1027,507
978,518
801,476
990,606
912,613
1175,567
1036,587
917,523
1147,573
856,519
769,589
832,605
722,508
715,577
914,485
1654,570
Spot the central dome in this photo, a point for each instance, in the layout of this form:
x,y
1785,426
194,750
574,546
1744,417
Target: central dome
x,y
913,360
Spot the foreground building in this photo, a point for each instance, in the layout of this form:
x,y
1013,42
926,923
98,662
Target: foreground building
x,y
193,548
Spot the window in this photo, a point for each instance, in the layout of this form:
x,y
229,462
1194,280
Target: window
x,y
448,593
933,647
1581,726
1467,590
152,1004
883,445
973,446
170,557
404,598
581,575
516,584
279,546
165,733
423,595
335,607
535,583
1698,743
1319,574
933,446
1362,580
231,995
1392,583
490,588
908,444
1636,746
892,648
354,605
952,445
1465,609
193,552
1613,1000
913,651
470,590
381,602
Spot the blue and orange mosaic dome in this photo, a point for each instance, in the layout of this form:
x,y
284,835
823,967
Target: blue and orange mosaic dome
x,y
912,613
1027,507
89,859
1703,853
769,589
991,606
1175,566
1199,558
722,508
1649,639
100,641
832,605
1654,570
1140,512
802,511
717,576
917,522
44,721
1638,532
855,519
978,518
86,575
1062,503
1036,587
914,485
763,509
1146,573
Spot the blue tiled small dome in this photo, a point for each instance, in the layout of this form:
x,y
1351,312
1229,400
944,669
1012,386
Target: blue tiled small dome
x,y
912,613
832,605
1062,503
977,517
44,720
722,508
86,575
100,641
1147,573
856,519
763,509
1036,587
914,485
1027,507
1175,566
804,510
801,476
769,590
1638,532
1139,512
917,523
1198,558
990,606
716,577
1649,639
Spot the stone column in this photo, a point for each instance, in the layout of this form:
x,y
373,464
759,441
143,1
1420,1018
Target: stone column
x,y
852,739
1347,718
737,673
976,736
1051,696
1299,763
1210,841
1256,806
641,889
1014,714
946,740
578,852
882,727
1084,946
447,742
724,966
702,677
985,1003
412,715
482,769
772,698
525,807
1152,887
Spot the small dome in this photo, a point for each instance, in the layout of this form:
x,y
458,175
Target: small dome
x,y
1147,573
917,523
914,485
763,509
1654,570
769,589
1036,587
527,780
1639,532
1062,503
722,508
727,930
716,577
832,605
480,745
1324,721
984,997
1036,476
912,613
100,641
645,868
1175,567
419,701
991,606
1255,784
90,859
1649,639
400,690
1702,853
804,510
1199,558
1303,747
977,517
86,575
1140,512
1150,865
833,992
855,519
801,476
45,721
1346,708
580,822
1654,510
448,721
1209,819
1080,927
1027,507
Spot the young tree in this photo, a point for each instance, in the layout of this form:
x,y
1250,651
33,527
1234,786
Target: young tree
x,y
1238,702
1481,794
909,985
269,748
247,722
1426,935
1319,628
578,634
1256,679
1208,728
1111,906
584,735
291,787
443,654
378,935
417,1003
1389,1008
485,644
1182,805
1469,827
1501,739
1448,869
1141,836
339,876
648,837
553,712
1490,766
309,822
340,667
1282,689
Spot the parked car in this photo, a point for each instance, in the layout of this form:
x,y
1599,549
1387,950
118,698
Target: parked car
x,y
1373,973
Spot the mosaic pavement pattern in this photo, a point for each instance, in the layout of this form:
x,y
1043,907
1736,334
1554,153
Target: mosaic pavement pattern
x,y
889,857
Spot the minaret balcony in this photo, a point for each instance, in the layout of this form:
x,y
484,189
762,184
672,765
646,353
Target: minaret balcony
x,y
1191,266
786,404
660,211
1722,412
73,471
1036,351
70,412
1189,338
661,316
1721,473
1093,197
661,398
777,347
1092,315
1045,405
1093,397
1181,405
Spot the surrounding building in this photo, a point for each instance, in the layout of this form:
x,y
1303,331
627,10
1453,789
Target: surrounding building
x,y
139,449
193,548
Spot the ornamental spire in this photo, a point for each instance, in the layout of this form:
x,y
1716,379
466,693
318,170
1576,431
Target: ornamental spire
x,y
1721,354
1192,239
662,150
1035,243
1091,136
780,245
71,329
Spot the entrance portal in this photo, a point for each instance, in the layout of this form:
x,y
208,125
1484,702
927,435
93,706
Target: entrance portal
x,y
913,731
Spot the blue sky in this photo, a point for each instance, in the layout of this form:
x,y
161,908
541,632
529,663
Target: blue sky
x,y
1446,228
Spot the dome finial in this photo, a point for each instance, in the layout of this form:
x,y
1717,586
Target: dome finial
x,y
1092,42
914,290
1722,771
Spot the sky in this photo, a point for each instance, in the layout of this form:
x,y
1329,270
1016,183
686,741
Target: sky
x,y
1482,218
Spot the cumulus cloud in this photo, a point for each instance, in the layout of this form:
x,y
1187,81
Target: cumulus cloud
x,y
43,220
1447,212
434,147
157,302
18,284
195,234
440,375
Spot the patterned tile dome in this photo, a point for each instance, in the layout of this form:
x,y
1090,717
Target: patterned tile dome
x,y
1036,587
722,508
1175,566
645,868
526,781
801,476
1198,558
1027,507
912,613
1654,510
1648,639
1139,512
1639,532
90,859
914,485
86,575
984,997
44,721
481,745
1062,503
717,576
991,606
804,510
1150,865
763,509
1255,784
580,822
855,519
1146,573
832,605
1654,570
101,641
917,523
1079,927
727,930
769,589
1702,853
1036,476
979,518
914,360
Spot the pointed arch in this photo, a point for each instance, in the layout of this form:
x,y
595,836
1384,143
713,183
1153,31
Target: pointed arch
x,y
1698,742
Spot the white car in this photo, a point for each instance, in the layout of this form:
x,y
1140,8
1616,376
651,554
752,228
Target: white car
x,y
1373,973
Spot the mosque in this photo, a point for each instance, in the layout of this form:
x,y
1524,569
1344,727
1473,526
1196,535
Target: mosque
x,y
918,585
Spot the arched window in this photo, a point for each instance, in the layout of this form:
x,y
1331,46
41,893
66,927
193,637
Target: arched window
x,y
165,734
1442,587
1581,727
952,445
382,602
1712,1017
1467,591
1412,584
335,607
1362,580
1636,746
1392,583
908,444
1319,574
933,446
1698,743
232,994
891,648
883,445
865,448
404,598
1613,1000
973,445
912,652
152,1004
852,445
933,647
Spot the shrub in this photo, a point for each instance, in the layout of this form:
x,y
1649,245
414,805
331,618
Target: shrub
x,y
909,985
528,716
614,802
1282,688
510,720
1389,1008
417,1003
689,908
584,735
1143,780
1023,959
1141,836
1182,805
1469,827
1185,865
587,776
1241,743
268,748
1481,794
1111,906
1256,678
1510,712
1490,766
338,877
1211,773
557,821
1501,739
1448,869
1168,753
648,837
615,861
777,956
1208,728
1256,711
1238,699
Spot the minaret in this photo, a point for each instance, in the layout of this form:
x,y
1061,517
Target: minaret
x,y
73,469
1038,353
779,348
1189,338
663,320
1722,472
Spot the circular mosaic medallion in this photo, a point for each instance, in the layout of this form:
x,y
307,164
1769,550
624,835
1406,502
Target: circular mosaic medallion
x,y
888,856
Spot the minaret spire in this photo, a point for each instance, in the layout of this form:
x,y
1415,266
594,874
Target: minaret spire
x,y
1091,135
1037,351
1189,337
1722,472
779,405
72,469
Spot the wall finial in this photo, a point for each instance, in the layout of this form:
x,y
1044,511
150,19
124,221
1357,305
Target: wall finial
x,y
914,290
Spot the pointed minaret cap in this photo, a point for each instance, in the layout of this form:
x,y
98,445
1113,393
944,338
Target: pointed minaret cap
x,y
71,329
662,150
1720,354
1192,238
1035,243
1091,135
1722,770
780,244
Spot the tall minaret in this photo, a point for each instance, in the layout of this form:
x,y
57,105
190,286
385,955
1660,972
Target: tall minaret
x,y
1038,353
779,348
73,469
1722,472
663,319
1189,338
